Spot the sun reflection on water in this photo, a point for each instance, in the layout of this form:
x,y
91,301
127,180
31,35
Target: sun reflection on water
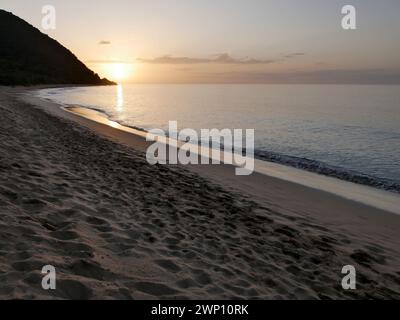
x,y
120,98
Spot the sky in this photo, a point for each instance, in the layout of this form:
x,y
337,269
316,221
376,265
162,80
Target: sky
x,y
226,41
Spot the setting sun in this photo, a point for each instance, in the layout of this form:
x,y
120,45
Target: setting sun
x,y
117,71
120,71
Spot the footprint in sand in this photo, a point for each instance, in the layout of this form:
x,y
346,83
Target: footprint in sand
x,y
71,289
155,289
168,265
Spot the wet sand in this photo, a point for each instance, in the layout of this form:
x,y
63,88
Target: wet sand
x,y
80,195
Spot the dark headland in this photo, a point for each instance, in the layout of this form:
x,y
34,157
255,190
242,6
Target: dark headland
x,y
29,57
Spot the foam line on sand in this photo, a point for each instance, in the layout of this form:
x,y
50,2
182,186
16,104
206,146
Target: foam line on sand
x,y
377,198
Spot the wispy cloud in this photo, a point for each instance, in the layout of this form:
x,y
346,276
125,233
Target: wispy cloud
x,y
167,59
293,55
104,42
107,61
223,58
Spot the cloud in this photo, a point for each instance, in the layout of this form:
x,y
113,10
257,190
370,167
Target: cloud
x,y
293,55
107,61
223,58
104,42
173,60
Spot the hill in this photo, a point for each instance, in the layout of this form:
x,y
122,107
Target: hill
x,y
29,57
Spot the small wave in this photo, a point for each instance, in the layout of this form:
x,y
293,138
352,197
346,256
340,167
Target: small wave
x,y
108,116
297,162
292,161
329,170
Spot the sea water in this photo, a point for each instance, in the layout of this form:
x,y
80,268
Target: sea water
x,y
351,132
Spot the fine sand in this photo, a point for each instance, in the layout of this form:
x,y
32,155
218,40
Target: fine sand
x,y
80,196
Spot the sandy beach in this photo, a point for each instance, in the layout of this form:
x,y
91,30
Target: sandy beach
x,y
79,195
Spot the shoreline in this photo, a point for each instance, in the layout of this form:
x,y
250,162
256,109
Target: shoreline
x,y
80,195
271,183
296,162
364,194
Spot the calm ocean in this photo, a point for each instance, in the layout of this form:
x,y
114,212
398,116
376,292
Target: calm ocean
x,y
348,131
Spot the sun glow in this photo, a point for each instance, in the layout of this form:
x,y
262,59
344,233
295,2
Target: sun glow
x,y
119,71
